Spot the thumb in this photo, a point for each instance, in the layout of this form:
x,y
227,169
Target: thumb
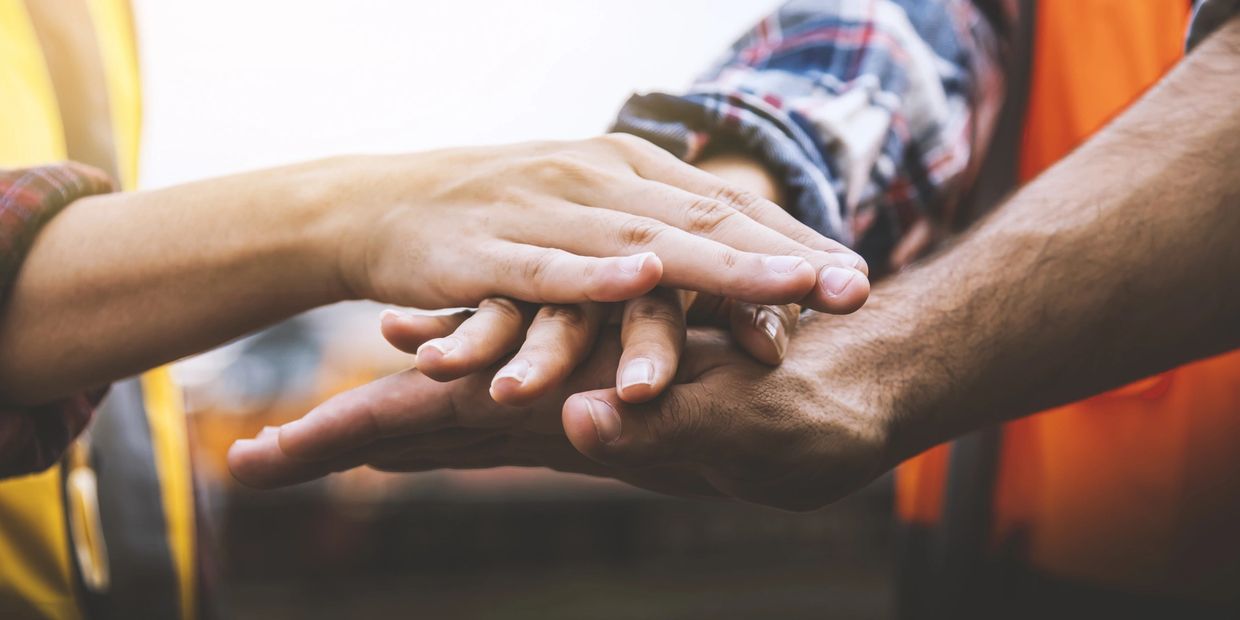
x,y
616,433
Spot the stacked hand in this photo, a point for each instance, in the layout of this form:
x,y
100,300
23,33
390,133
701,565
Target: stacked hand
x,y
605,220
729,427
553,339
472,402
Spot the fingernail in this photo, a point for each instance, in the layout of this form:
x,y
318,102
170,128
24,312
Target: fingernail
x,y
638,372
516,369
606,420
768,323
443,345
783,264
390,313
633,264
836,279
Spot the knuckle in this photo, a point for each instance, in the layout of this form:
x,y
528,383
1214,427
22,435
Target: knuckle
x,y
505,308
676,425
624,141
538,268
705,216
563,315
652,311
561,168
811,238
742,200
640,232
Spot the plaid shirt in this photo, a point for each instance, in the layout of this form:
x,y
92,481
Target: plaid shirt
x,y
33,438
869,112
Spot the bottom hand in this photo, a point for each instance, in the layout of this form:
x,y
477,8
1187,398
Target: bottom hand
x,y
781,436
552,340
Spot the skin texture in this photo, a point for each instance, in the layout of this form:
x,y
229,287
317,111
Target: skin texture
x,y
1117,263
120,283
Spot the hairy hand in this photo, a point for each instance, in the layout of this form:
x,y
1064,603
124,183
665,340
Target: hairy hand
x,y
784,437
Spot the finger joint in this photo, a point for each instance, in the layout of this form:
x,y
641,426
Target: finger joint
x,y
640,232
706,217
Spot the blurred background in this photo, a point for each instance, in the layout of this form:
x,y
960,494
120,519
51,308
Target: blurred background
x,y
233,85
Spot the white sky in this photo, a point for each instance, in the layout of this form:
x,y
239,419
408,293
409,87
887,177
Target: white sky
x,y
238,84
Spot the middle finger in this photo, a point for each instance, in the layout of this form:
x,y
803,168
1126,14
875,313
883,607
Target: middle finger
x,y
559,338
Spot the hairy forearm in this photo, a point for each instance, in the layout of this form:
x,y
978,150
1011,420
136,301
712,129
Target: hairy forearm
x,y
1119,262
122,282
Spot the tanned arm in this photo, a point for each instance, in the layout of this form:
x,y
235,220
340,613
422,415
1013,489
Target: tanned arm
x,y
1121,261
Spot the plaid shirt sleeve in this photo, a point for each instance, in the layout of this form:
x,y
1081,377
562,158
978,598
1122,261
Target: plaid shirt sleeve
x,y
868,111
33,438
1208,15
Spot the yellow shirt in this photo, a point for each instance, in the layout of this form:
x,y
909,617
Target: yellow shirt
x,y
37,574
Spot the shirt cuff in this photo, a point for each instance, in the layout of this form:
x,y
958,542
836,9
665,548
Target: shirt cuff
x,y
33,438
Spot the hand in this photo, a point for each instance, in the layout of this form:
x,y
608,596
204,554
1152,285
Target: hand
x,y
558,337
794,437
552,340
597,220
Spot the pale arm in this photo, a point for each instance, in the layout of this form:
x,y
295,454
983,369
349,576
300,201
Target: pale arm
x,y
120,283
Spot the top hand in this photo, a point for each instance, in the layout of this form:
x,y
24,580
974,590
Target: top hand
x,y
526,221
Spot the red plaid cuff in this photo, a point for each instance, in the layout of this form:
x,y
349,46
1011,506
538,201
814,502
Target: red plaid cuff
x,y
33,438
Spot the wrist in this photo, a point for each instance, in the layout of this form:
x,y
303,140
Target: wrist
x,y
850,386
873,367
329,224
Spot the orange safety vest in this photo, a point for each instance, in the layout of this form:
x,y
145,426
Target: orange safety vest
x,y
1137,489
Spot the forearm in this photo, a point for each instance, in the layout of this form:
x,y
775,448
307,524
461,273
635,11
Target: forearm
x,y
119,283
1119,262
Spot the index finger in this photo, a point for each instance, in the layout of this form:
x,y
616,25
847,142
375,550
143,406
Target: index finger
x,y
405,402
652,334
260,464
